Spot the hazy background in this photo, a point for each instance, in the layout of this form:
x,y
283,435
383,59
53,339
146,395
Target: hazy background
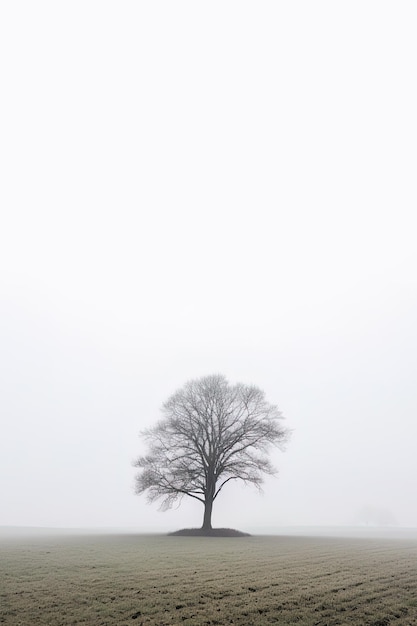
x,y
192,188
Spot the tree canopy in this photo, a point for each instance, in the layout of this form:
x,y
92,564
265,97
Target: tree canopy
x,y
211,433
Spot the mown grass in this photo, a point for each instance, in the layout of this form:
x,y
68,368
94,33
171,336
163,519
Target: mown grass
x,y
161,580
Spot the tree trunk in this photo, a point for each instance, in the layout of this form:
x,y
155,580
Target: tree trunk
x,y
208,507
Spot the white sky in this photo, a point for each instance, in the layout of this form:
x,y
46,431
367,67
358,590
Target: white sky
x,y
192,188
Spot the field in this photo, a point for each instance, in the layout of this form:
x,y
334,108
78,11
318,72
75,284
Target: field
x,y
159,580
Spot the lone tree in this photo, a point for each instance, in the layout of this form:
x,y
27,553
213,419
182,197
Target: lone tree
x,y
211,433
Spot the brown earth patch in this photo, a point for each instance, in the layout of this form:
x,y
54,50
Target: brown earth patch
x,y
213,532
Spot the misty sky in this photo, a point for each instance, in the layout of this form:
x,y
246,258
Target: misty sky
x,y
192,188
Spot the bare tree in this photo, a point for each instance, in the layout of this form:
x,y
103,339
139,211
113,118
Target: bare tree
x,y
211,433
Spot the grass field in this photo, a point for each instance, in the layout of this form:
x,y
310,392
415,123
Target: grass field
x,y
139,579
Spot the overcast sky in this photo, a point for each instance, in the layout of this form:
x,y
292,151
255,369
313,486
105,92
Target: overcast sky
x,y
192,188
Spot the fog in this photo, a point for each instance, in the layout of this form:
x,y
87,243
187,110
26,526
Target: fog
x,y
196,188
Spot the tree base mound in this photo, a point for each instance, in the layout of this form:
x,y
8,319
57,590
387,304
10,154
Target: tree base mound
x,y
213,532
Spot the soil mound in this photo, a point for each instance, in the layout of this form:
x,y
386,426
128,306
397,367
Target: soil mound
x,y
214,532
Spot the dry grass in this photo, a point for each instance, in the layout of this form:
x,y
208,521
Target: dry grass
x,y
194,581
